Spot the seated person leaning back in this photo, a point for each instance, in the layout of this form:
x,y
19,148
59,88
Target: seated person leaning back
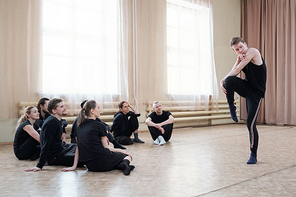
x,y
93,149
53,150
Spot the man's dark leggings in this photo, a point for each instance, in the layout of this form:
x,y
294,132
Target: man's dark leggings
x,y
168,129
253,101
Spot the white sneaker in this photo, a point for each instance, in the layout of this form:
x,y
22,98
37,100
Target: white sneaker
x,y
161,140
156,141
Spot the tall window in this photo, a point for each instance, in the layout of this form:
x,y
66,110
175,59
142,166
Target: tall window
x,y
80,47
190,61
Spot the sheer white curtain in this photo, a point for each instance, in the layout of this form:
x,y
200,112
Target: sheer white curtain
x,y
84,50
190,53
19,54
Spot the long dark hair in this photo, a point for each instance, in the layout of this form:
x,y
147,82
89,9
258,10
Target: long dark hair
x,y
85,111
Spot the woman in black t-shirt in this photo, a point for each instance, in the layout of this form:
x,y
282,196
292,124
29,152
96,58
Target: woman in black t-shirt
x,y
26,143
92,141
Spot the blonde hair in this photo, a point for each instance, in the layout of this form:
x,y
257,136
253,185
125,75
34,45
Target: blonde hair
x,y
24,117
85,111
154,103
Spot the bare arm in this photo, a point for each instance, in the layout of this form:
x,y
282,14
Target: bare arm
x,y
152,124
76,158
241,62
64,137
32,132
106,145
135,110
168,121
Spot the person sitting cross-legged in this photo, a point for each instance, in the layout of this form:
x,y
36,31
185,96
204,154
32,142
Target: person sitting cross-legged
x,y
160,124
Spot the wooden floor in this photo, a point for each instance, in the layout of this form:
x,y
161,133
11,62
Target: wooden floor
x,y
202,161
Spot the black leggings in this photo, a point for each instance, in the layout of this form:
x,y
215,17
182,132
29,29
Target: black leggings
x,y
253,101
133,124
29,148
168,129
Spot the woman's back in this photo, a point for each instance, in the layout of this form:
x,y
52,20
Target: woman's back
x,y
89,142
21,135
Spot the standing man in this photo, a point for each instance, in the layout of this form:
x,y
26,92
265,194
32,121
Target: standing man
x,y
125,123
160,124
250,61
53,150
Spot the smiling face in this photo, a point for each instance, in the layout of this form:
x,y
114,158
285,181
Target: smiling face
x,y
125,108
240,48
34,114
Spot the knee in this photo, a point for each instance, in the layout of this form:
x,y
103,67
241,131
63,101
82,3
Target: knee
x,y
229,81
168,126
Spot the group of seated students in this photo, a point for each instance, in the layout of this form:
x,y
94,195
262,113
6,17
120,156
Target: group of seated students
x,y
41,134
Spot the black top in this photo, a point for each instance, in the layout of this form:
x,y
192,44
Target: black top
x,y
120,122
256,77
50,140
41,119
89,142
74,127
158,119
74,130
21,135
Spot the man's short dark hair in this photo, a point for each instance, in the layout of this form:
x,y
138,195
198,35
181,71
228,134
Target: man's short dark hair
x,y
235,41
53,104
41,102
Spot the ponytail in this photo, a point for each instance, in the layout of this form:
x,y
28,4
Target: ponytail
x,y
24,117
85,111
81,117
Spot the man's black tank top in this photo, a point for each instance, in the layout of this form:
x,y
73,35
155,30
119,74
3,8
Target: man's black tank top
x,y
256,77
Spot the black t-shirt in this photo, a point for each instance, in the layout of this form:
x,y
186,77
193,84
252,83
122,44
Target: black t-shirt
x,y
158,119
74,127
21,135
256,77
120,122
50,140
89,142
41,119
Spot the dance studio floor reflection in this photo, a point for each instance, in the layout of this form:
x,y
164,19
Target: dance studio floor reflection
x,y
201,161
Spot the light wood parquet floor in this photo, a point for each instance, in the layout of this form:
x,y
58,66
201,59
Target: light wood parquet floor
x,y
201,161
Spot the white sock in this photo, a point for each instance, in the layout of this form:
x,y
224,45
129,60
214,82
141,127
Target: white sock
x,y
161,140
156,141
